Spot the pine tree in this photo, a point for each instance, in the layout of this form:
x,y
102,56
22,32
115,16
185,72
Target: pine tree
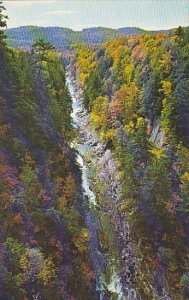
x,y
3,24
41,49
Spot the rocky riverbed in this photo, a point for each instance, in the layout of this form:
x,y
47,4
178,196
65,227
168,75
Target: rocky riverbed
x,y
110,245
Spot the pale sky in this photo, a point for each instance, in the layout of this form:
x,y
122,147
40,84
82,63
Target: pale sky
x,y
77,14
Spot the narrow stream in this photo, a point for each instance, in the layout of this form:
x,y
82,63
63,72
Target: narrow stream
x,y
97,258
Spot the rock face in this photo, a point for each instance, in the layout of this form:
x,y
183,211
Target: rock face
x,y
157,135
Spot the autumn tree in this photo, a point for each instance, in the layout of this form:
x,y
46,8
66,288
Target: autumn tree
x,y
126,103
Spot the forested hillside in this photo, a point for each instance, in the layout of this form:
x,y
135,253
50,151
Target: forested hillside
x,y
64,38
43,236
94,168
136,90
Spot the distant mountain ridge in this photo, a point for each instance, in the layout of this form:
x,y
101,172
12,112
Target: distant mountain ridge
x,y
24,36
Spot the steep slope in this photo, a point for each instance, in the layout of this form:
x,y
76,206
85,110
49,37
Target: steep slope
x,y
44,241
133,90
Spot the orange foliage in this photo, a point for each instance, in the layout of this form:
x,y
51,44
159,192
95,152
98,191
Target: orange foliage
x,y
18,218
4,132
88,274
175,280
124,104
139,53
33,242
70,187
149,129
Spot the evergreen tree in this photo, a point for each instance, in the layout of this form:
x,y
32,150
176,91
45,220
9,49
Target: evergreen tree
x,y
94,87
41,49
3,24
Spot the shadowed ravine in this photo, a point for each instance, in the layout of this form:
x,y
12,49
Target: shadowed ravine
x,y
88,141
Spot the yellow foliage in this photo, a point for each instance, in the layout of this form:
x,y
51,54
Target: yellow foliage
x,y
185,177
98,115
107,135
47,274
128,72
62,203
166,62
81,241
166,87
158,153
86,63
130,127
140,122
83,78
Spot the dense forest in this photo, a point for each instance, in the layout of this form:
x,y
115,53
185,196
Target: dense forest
x,y
136,91
43,236
94,169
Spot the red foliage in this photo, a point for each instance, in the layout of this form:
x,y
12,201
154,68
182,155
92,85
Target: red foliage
x,y
5,200
33,242
159,36
87,271
113,113
139,53
8,176
156,263
18,218
175,280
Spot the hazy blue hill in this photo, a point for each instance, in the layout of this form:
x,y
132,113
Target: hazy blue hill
x,y
137,30
131,30
24,36
99,34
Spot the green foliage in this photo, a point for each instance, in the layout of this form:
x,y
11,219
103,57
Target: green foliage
x,y
145,115
128,85
27,175
40,190
25,104
94,87
3,24
183,162
151,96
126,163
41,49
61,108
169,114
184,282
16,250
159,176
